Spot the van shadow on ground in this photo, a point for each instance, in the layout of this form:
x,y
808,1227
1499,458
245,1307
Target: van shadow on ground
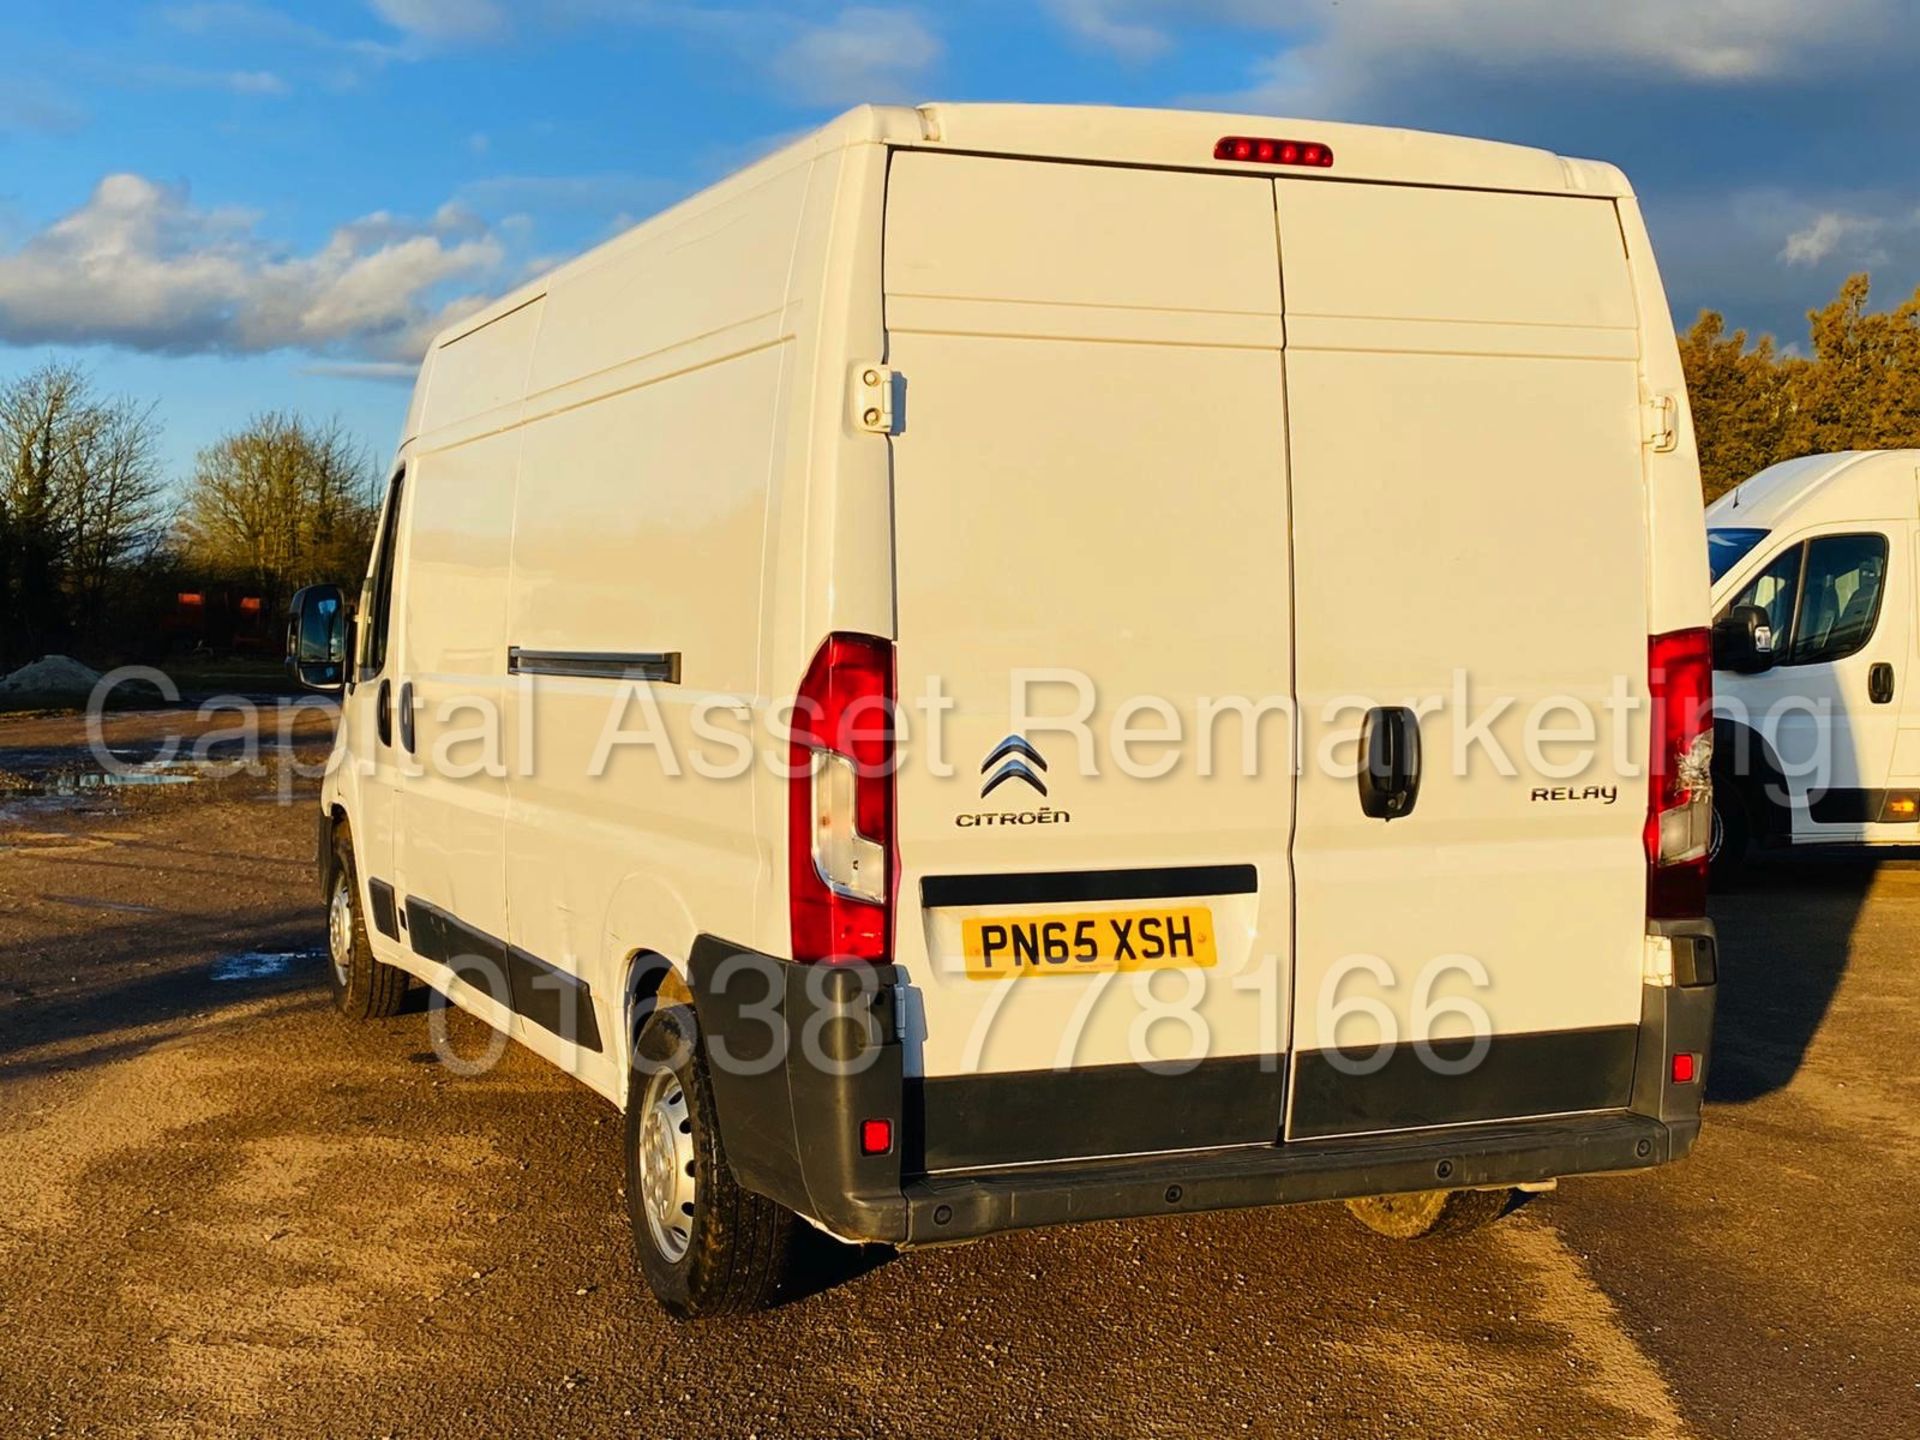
x,y
122,988
1786,932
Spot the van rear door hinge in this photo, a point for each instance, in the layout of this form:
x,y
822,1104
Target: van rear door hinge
x,y
877,397
1662,423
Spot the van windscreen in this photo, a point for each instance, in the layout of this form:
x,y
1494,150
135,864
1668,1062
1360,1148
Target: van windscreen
x,y
1727,547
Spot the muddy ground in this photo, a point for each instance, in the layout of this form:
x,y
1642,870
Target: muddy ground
x,y
225,1211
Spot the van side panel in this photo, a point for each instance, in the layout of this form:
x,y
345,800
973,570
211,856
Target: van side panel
x,y
656,407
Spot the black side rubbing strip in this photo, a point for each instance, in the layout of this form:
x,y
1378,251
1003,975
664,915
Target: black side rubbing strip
x,y
1067,886
385,920
661,666
557,1002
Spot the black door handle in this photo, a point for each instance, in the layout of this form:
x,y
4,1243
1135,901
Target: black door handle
x,y
383,712
1389,762
406,716
1880,683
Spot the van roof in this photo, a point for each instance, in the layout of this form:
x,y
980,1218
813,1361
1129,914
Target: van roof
x,y
1120,135
1850,485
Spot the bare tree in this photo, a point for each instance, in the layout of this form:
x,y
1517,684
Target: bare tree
x,y
80,489
284,502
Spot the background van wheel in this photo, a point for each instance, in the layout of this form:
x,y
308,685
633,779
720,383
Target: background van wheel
x,y
1431,1214
707,1246
363,988
1731,836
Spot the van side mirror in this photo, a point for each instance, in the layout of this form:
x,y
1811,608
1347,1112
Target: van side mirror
x,y
1743,641
317,638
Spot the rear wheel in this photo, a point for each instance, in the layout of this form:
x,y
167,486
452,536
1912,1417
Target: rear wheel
x,y
363,988
707,1246
1430,1214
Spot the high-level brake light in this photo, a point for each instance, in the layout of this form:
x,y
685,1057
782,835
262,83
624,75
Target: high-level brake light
x,y
1680,789
1253,150
840,863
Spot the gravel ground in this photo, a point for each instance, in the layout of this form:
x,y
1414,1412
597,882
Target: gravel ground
x,y
225,1211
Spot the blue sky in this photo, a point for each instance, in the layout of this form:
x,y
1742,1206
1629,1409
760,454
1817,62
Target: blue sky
x,y
234,205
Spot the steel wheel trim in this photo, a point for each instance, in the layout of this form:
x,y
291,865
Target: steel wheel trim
x,y
666,1165
340,931
1716,835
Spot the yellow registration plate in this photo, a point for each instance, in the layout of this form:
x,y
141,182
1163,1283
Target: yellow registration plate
x,y
1001,947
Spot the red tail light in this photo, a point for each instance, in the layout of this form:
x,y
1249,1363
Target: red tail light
x,y
1680,799
840,845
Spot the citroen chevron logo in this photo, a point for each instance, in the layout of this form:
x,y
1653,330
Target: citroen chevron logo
x,y
1012,755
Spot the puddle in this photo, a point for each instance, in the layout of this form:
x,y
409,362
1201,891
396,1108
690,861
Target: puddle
x,y
67,783
261,964
52,792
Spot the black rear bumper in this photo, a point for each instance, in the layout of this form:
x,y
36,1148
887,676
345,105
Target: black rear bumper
x,y
790,1123
943,1208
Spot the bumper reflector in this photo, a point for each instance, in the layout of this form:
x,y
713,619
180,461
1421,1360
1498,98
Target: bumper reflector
x,y
876,1137
1686,1068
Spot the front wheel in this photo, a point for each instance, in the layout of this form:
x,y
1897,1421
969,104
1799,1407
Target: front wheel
x,y
1430,1214
706,1245
1729,838
363,988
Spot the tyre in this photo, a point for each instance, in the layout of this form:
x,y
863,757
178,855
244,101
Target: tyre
x,y
363,987
1731,837
707,1246
1431,1214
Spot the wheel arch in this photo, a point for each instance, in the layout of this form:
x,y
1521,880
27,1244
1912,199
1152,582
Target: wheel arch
x,y
651,980
1747,764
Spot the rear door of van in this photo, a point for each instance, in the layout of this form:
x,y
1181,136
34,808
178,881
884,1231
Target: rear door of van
x,y
1091,513
1470,542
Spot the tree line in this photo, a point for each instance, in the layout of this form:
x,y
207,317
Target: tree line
x,y
98,554
101,557
1856,387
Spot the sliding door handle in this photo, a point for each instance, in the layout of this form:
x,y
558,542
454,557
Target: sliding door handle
x,y
406,716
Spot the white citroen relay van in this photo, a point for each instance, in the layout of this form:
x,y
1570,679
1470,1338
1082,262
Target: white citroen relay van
x,y
1012,665
1817,719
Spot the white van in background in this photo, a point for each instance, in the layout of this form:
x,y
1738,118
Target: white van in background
x,y
1818,724
982,559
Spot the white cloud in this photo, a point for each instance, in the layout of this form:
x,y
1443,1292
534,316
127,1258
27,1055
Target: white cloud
x,y
816,53
185,77
238,20
140,265
1338,55
389,371
1110,26
1855,238
444,20
864,54
1817,241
